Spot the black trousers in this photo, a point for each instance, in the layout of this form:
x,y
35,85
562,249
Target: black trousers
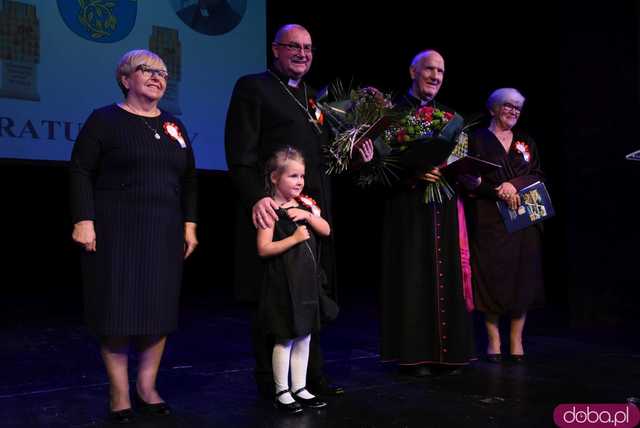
x,y
263,344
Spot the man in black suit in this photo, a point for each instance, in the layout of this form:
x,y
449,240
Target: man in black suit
x,y
210,17
269,110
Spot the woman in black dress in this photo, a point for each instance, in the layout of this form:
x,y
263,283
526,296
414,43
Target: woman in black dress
x,y
133,194
507,268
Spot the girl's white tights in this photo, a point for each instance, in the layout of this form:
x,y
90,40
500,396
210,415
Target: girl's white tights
x,y
292,353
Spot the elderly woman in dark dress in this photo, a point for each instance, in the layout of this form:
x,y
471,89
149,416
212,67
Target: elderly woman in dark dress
x,y
133,200
507,267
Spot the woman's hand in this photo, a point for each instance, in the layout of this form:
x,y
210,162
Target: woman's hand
x,y
264,213
297,214
432,176
366,150
513,201
190,240
85,234
301,234
505,191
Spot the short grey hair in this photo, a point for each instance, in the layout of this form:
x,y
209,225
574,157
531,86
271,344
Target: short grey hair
x,y
133,59
502,95
418,58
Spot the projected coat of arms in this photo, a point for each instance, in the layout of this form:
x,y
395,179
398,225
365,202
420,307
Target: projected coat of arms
x,y
19,50
103,21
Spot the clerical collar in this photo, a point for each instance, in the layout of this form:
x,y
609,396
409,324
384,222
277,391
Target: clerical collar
x,y
294,83
420,100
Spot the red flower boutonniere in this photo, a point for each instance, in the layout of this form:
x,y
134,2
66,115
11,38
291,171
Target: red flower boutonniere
x,y
172,130
523,148
316,112
308,202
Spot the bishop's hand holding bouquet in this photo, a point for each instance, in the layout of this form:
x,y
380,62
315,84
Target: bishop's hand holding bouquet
x,y
355,116
420,139
427,139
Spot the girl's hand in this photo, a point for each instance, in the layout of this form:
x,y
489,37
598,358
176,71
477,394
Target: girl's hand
x,y
301,234
297,214
85,235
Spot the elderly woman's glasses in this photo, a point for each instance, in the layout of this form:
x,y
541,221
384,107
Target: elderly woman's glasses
x,y
295,48
149,72
512,108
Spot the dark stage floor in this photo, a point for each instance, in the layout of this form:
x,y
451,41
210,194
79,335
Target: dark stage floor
x,y
51,376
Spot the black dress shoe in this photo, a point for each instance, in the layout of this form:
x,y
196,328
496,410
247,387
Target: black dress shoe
x,y
124,416
325,389
449,371
314,402
417,371
494,358
156,409
517,358
291,408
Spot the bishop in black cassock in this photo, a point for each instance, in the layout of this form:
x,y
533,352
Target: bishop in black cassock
x,y
267,111
426,323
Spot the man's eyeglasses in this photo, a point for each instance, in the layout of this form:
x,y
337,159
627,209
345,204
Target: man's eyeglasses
x,y
511,107
148,72
295,48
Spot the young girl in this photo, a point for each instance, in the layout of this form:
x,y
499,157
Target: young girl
x,y
291,293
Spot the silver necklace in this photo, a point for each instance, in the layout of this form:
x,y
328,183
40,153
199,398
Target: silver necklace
x,y
155,132
313,121
156,135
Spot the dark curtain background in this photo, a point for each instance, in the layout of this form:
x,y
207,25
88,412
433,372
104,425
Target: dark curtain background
x,y
576,64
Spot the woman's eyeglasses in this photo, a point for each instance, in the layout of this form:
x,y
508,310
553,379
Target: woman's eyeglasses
x,y
512,108
149,72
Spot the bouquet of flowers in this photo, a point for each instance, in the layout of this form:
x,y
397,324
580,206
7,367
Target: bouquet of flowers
x,y
351,116
426,125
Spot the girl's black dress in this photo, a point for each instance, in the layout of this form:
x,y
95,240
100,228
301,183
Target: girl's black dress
x,y
293,301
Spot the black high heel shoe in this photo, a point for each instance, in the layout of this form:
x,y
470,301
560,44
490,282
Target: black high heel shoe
x,y
121,417
494,358
517,358
315,402
291,408
156,409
